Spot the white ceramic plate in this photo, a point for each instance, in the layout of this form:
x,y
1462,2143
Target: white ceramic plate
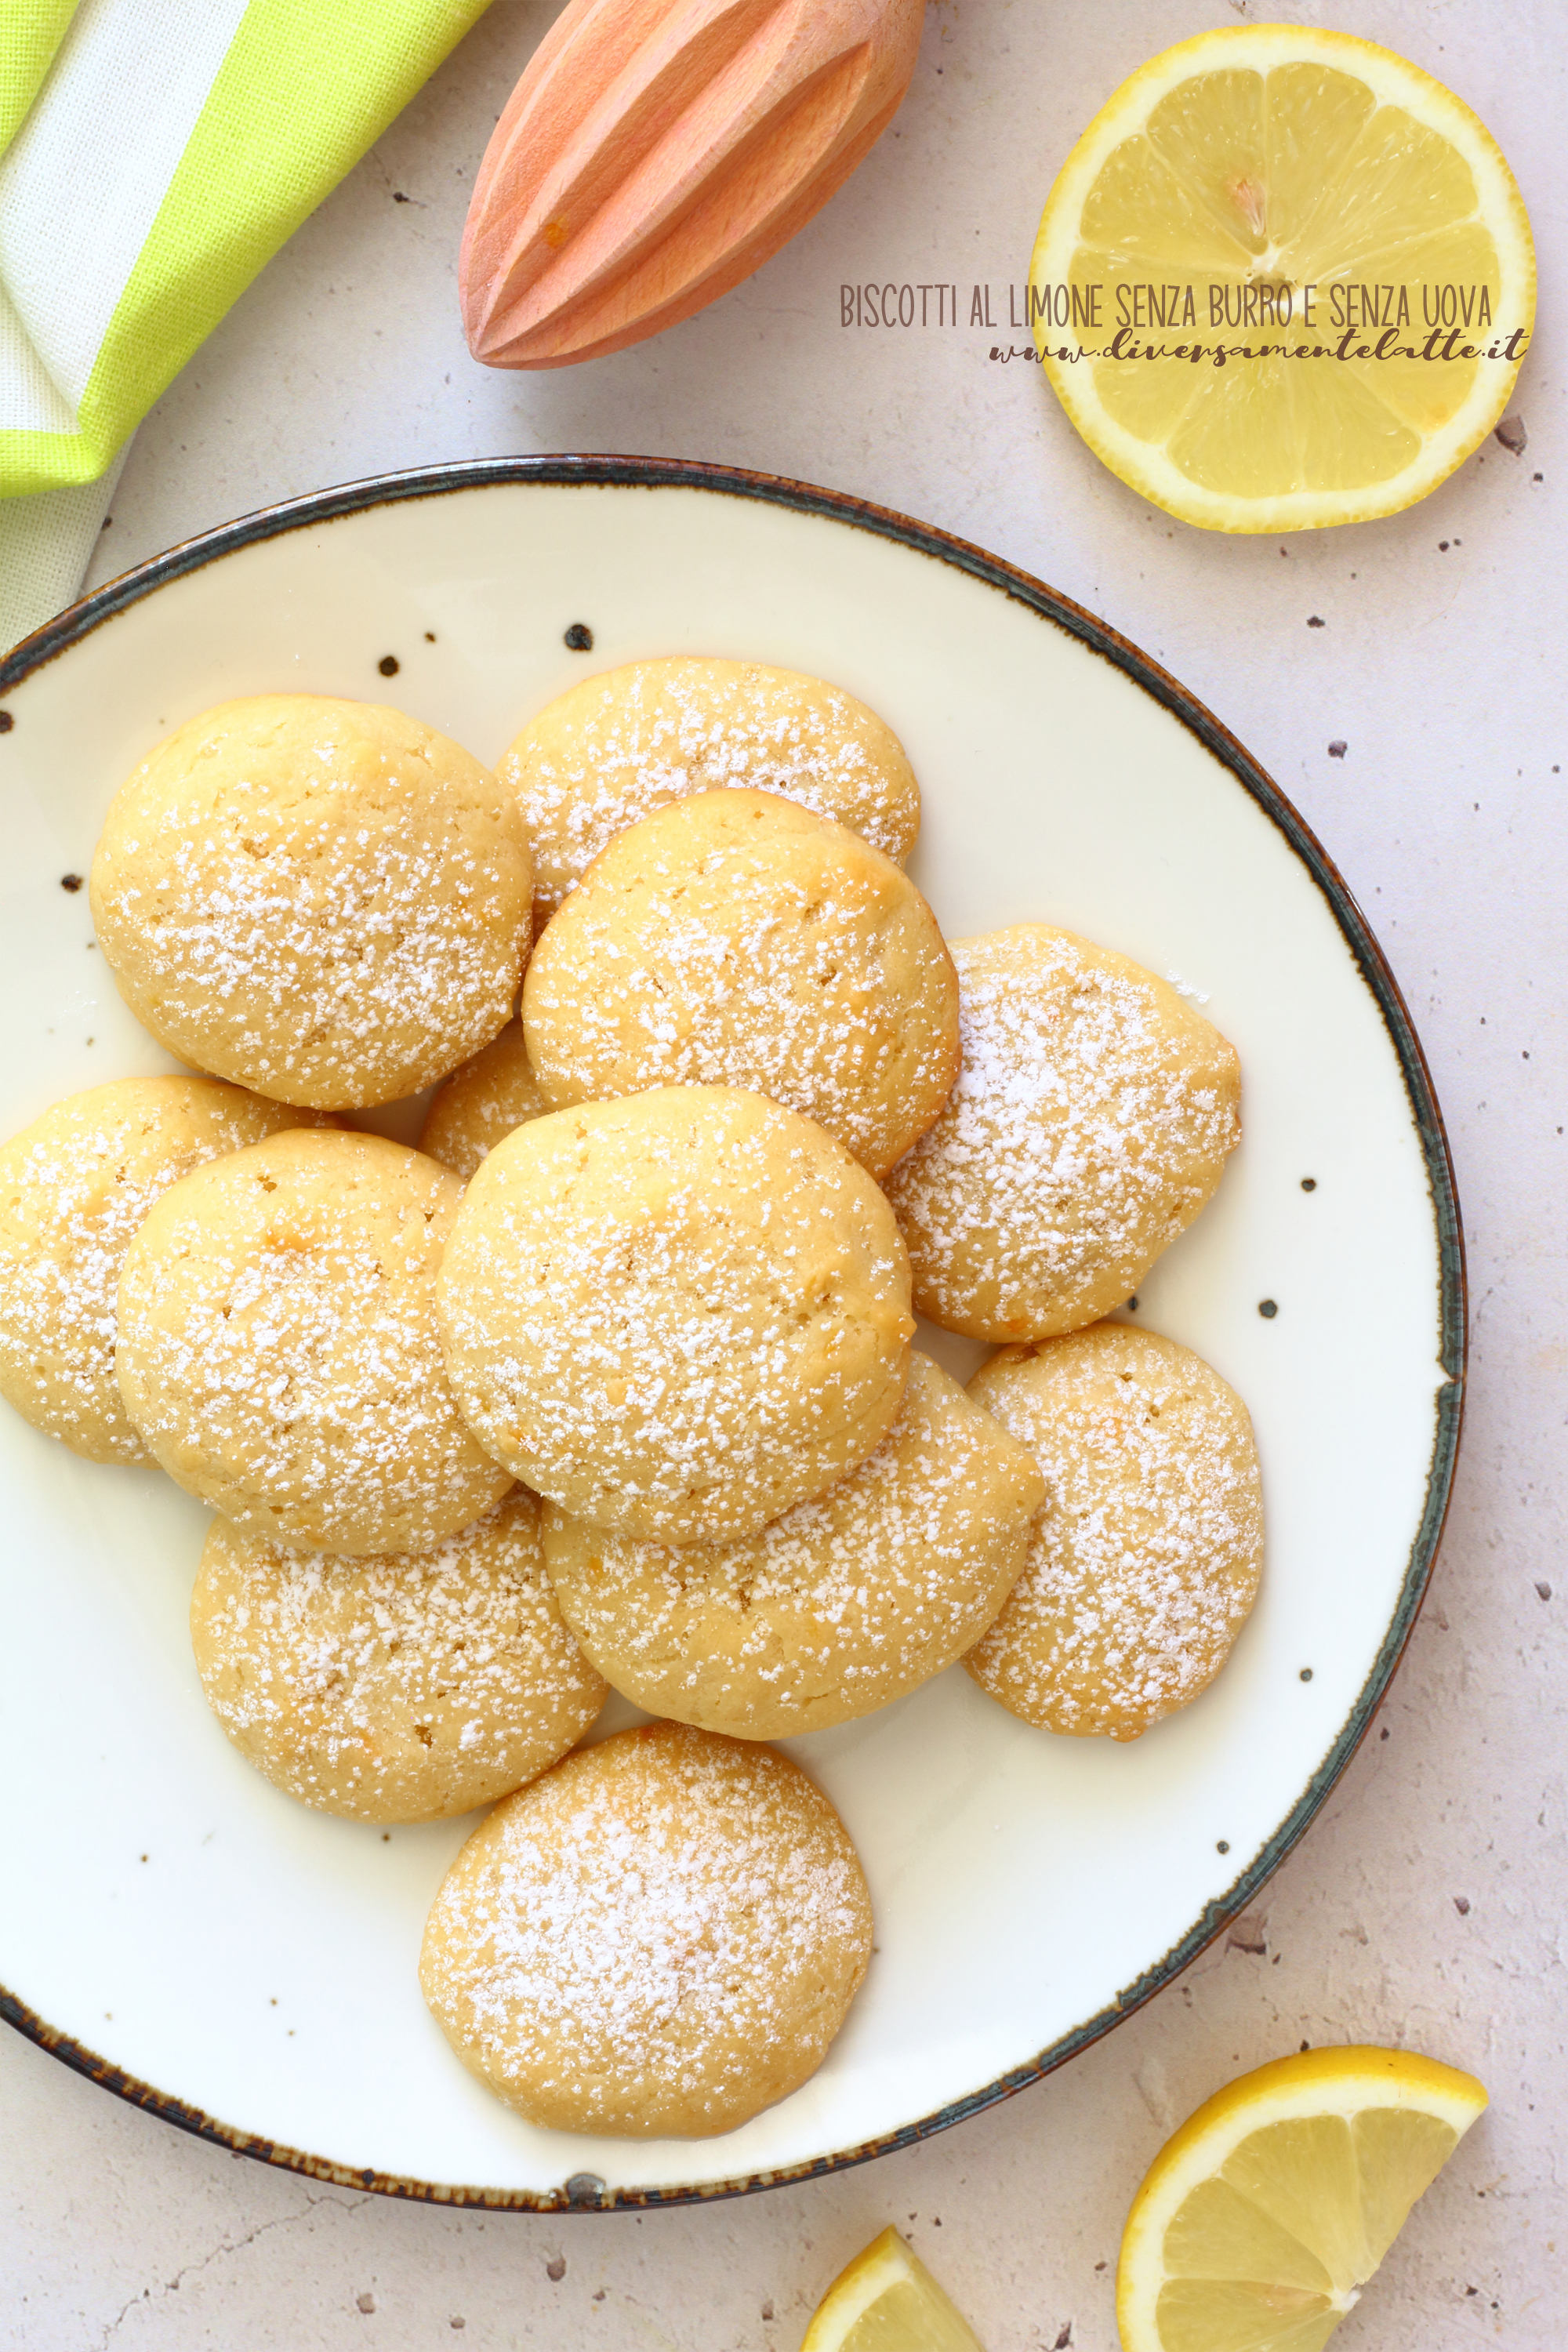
x,y
171,1924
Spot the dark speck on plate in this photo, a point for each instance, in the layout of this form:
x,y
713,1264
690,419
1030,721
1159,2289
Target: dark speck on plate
x,y
71,882
389,665
1267,1310
1309,1184
579,638
1316,621
6,722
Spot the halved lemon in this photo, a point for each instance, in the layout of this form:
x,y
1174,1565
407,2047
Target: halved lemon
x,y
887,2301
1300,275
1262,2219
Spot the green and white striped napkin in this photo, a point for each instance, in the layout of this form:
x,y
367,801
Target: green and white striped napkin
x,y
154,154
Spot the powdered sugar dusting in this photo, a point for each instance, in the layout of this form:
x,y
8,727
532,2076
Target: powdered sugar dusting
x,y
660,1936
74,1188
619,746
1145,1561
839,1605
481,1103
734,939
677,1314
1090,1123
400,1688
321,901
278,1352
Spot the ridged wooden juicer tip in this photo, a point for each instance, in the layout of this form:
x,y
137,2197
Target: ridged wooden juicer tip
x,y
656,152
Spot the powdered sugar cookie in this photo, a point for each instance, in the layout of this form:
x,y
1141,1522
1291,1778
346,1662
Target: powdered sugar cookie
x,y
399,1688
1090,1122
1146,1559
735,938
659,1938
618,746
74,1187
676,1314
481,1102
278,1352
834,1609
320,899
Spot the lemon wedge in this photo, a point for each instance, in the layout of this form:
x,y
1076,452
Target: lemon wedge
x,y
887,2301
1261,2219
1299,275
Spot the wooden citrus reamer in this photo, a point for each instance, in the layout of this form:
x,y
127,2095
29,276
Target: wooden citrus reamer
x,y
656,152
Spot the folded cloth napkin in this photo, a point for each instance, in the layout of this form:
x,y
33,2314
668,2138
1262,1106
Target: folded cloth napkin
x,y
154,154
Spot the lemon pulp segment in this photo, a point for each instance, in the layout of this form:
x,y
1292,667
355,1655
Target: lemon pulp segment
x,y
887,2301
1262,2219
1334,221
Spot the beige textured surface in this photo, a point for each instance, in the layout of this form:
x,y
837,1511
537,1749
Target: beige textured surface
x,y
660,1937
321,899
402,1687
738,939
676,1314
833,1610
1090,1123
74,1187
481,1102
618,746
278,1344
1440,667
1144,1564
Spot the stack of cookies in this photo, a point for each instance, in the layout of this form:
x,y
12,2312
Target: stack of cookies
x,y
611,1383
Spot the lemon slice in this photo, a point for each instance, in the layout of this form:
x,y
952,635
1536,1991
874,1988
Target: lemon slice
x,y
1261,2219
1336,223
887,2301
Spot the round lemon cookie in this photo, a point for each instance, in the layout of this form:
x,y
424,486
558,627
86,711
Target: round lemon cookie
x,y
481,1102
660,1937
837,1607
676,1314
400,1688
320,899
1146,1559
618,746
1091,1121
74,1187
278,1352
735,938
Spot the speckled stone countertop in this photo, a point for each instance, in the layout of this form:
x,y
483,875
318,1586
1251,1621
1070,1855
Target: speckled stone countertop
x,y
1403,682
